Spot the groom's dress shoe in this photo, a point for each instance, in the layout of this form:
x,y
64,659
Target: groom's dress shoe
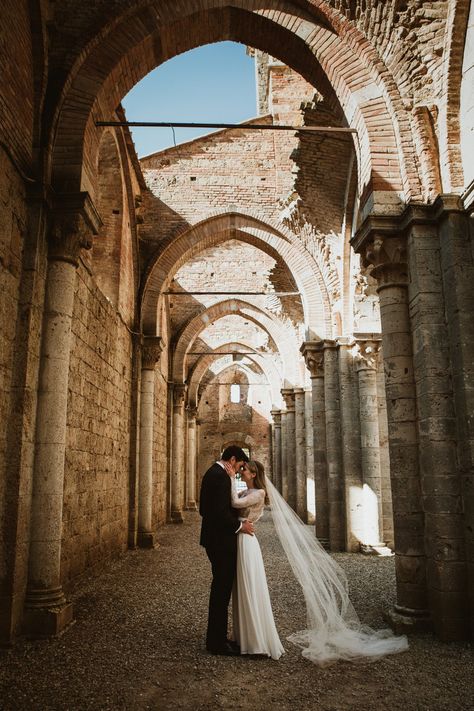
x,y
234,645
226,649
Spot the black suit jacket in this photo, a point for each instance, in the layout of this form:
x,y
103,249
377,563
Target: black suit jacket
x,y
219,519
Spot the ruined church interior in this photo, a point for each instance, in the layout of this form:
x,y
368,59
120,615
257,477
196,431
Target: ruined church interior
x,y
300,285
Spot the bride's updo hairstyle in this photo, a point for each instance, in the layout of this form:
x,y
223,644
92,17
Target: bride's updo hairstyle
x,y
258,469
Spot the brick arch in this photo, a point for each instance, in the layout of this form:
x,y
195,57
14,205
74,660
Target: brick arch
x,y
264,320
105,253
241,439
318,42
311,278
449,119
266,365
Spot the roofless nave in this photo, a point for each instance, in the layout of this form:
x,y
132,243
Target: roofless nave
x,y
307,296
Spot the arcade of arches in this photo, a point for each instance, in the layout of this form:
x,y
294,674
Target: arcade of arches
x,y
306,295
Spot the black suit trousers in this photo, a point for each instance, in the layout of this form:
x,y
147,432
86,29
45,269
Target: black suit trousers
x,y
223,564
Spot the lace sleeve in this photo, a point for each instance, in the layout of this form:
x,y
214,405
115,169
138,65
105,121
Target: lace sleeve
x,y
247,498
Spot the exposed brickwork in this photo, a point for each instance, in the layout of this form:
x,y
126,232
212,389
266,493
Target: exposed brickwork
x,y
18,70
95,520
220,420
281,207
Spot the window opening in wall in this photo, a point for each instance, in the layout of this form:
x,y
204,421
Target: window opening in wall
x,y
235,392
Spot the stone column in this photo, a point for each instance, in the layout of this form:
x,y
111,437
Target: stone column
x,y
314,358
457,267
310,495
383,245
366,365
289,397
337,513
350,443
151,350
284,458
177,458
300,441
440,481
46,610
191,460
387,509
276,414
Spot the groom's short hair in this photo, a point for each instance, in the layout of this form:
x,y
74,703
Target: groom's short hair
x,y
234,451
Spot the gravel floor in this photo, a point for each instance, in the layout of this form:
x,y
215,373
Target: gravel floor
x,y
138,644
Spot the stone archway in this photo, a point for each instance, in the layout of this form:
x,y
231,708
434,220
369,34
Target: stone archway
x,y
128,48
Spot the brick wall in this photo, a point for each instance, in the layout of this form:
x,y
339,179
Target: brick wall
x,y
221,420
17,89
96,485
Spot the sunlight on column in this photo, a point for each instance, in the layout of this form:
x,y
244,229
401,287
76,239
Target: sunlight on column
x,y
310,497
371,516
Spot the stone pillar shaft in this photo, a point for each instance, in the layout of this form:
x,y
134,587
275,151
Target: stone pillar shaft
x,y
310,491
191,462
44,586
289,397
147,394
151,350
177,463
300,454
370,443
276,414
284,458
440,481
337,528
457,265
389,256
46,610
351,457
314,357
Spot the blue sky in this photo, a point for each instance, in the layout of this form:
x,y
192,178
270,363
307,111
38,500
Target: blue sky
x,y
214,83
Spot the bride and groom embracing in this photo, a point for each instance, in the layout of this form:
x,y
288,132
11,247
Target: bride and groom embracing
x,y
334,630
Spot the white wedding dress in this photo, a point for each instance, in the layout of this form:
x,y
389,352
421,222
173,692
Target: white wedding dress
x,y
253,623
334,631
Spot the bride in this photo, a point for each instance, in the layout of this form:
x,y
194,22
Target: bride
x,y
253,623
334,630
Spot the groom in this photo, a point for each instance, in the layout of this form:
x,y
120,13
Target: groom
x,y
220,527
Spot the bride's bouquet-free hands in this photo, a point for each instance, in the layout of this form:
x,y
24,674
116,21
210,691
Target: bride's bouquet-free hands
x,y
229,469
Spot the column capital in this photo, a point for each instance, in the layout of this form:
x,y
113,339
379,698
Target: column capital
x,y
366,351
179,394
74,221
289,398
313,354
191,411
276,415
299,391
152,347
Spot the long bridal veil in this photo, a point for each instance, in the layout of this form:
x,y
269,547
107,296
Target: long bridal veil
x,y
334,630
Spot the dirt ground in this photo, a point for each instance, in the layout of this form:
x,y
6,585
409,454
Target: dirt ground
x,y
138,644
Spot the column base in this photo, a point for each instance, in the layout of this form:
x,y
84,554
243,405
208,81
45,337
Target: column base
x,y
47,622
146,540
325,543
404,620
191,506
379,549
177,517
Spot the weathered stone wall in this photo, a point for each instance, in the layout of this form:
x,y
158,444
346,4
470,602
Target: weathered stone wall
x,y
96,485
245,423
22,276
